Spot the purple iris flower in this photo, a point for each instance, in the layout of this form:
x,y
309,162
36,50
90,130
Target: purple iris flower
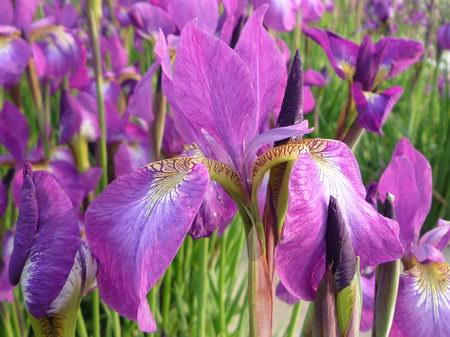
x,y
443,36
366,66
424,289
49,260
6,289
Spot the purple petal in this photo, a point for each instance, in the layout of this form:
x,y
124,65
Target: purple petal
x,y
423,304
399,180
433,243
398,55
216,212
24,12
163,55
329,169
130,156
149,19
7,13
341,52
309,101
6,289
234,10
136,226
14,56
79,78
91,178
311,10
373,108
141,101
51,252
117,51
206,12
284,295
265,62
3,198
443,36
368,294
13,131
212,88
313,78
281,15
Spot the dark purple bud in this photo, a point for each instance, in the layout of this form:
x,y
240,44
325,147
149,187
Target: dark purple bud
x,y
339,249
364,63
371,195
292,107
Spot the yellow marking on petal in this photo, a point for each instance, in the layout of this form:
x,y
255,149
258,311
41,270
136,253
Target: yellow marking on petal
x,y
432,282
347,68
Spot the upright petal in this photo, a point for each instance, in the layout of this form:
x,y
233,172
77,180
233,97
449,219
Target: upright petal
x,y
423,302
374,108
54,245
212,88
281,15
206,12
149,19
311,10
341,53
136,226
265,62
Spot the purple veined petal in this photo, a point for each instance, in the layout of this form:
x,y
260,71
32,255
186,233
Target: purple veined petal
x,y
149,19
24,12
311,10
423,302
341,53
163,55
281,14
423,174
313,78
309,101
141,101
54,241
365,64
283,294
426,253
398,55
26,228
265,62
438,237
14,56
215,213
206,12
300,254
91,177
368,295
399,180
271,136
136,226
6,289
14,131
374,108
7,13
221,100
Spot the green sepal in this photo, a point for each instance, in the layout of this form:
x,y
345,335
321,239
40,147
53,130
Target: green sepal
x,y
349,306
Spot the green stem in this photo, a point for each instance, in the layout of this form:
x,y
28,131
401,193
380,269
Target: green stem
x,y
96,313
81,326
353,135
93,29
116,320
290,331
167,287
202,289
15,317
222,271
7,324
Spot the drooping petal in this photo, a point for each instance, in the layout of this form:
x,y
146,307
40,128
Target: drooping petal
x,y
14,56
373,108
423,302
149,19
206,12
399,180
281,15
341,53
212,88
284,295
53,248
265,62
398,55
13,131
328,168
136,226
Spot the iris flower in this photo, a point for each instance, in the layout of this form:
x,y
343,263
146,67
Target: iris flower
x,y
49,260
423,299
366,66
223,98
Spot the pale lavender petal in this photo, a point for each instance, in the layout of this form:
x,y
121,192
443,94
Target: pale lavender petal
x,y
212,88
136,226
374,108
433,243
54,245
399,180
14,56
423,302
266,64
426,253
149,19
398,55
205,11
341,52
281,15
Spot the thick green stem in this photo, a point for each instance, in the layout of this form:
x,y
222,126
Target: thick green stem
x,y
81,326
202,289
116,321
96,313
290,331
